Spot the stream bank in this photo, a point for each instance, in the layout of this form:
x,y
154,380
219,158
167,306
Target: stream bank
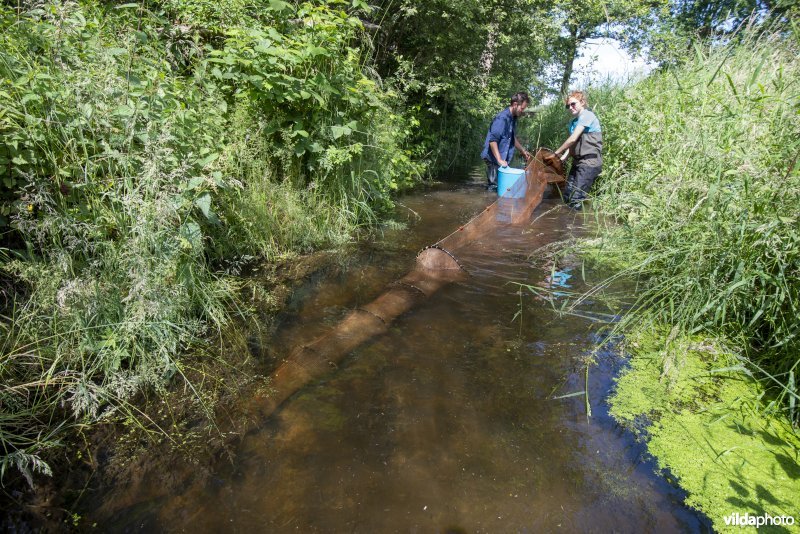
x,y
191,422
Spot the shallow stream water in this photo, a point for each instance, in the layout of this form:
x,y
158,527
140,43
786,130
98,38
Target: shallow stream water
x,y
448,423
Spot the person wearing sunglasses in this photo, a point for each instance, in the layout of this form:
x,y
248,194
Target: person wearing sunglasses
x,y
585,144
498,148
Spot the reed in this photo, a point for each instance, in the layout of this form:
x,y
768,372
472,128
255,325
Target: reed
x,y
701,179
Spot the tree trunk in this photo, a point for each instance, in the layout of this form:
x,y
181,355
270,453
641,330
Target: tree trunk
x,y
569,58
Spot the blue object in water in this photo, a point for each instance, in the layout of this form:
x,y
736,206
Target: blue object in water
x,y
559,279
511,182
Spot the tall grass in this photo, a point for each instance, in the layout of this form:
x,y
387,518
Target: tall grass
x,y
701,175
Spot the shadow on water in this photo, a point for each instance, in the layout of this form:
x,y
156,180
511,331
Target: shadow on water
x,y
446,423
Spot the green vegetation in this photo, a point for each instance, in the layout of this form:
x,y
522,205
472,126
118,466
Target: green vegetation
x,y
701,182
585,19
139,160
707,184
149,151
707,426
458,61
701,179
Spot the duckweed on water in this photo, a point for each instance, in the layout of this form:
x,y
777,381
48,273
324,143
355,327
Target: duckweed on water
x,y
706,425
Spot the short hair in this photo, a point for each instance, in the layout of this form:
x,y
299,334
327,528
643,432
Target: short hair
x,y
580,95
520,97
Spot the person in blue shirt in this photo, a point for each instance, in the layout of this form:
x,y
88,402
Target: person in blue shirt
x,y
498,148
585,144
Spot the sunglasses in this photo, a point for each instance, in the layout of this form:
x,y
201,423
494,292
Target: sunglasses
x,y
571,105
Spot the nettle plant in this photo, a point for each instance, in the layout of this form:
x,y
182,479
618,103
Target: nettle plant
x,y
305,79
79,106
121,182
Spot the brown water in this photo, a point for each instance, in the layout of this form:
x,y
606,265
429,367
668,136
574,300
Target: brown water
x,y
445,424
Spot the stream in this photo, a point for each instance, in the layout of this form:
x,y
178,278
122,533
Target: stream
x,y
449,422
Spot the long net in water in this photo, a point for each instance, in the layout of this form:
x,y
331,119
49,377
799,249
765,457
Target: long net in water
x,y
436,266
514,206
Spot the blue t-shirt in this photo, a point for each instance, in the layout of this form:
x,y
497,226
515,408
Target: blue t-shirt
x,y
587,119
501,131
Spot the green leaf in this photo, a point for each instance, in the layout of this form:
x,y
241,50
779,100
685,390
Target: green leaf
x,y
123,111
569,395
192,233
87,110
204,203
29,98
217,177
208,159
195,182
278,5
318,97
339,131
732,369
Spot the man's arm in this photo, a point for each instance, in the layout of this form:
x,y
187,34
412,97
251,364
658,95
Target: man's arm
x,y
571,140
496,154
525,153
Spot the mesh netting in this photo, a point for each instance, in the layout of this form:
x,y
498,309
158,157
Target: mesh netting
x,y
435,267
515,206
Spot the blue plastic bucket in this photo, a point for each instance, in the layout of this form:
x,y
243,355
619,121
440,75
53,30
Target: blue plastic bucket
x,y
507,184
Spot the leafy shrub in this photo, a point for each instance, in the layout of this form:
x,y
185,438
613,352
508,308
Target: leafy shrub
x,y
129,174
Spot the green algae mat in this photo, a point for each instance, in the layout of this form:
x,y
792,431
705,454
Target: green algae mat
x,y
704,420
